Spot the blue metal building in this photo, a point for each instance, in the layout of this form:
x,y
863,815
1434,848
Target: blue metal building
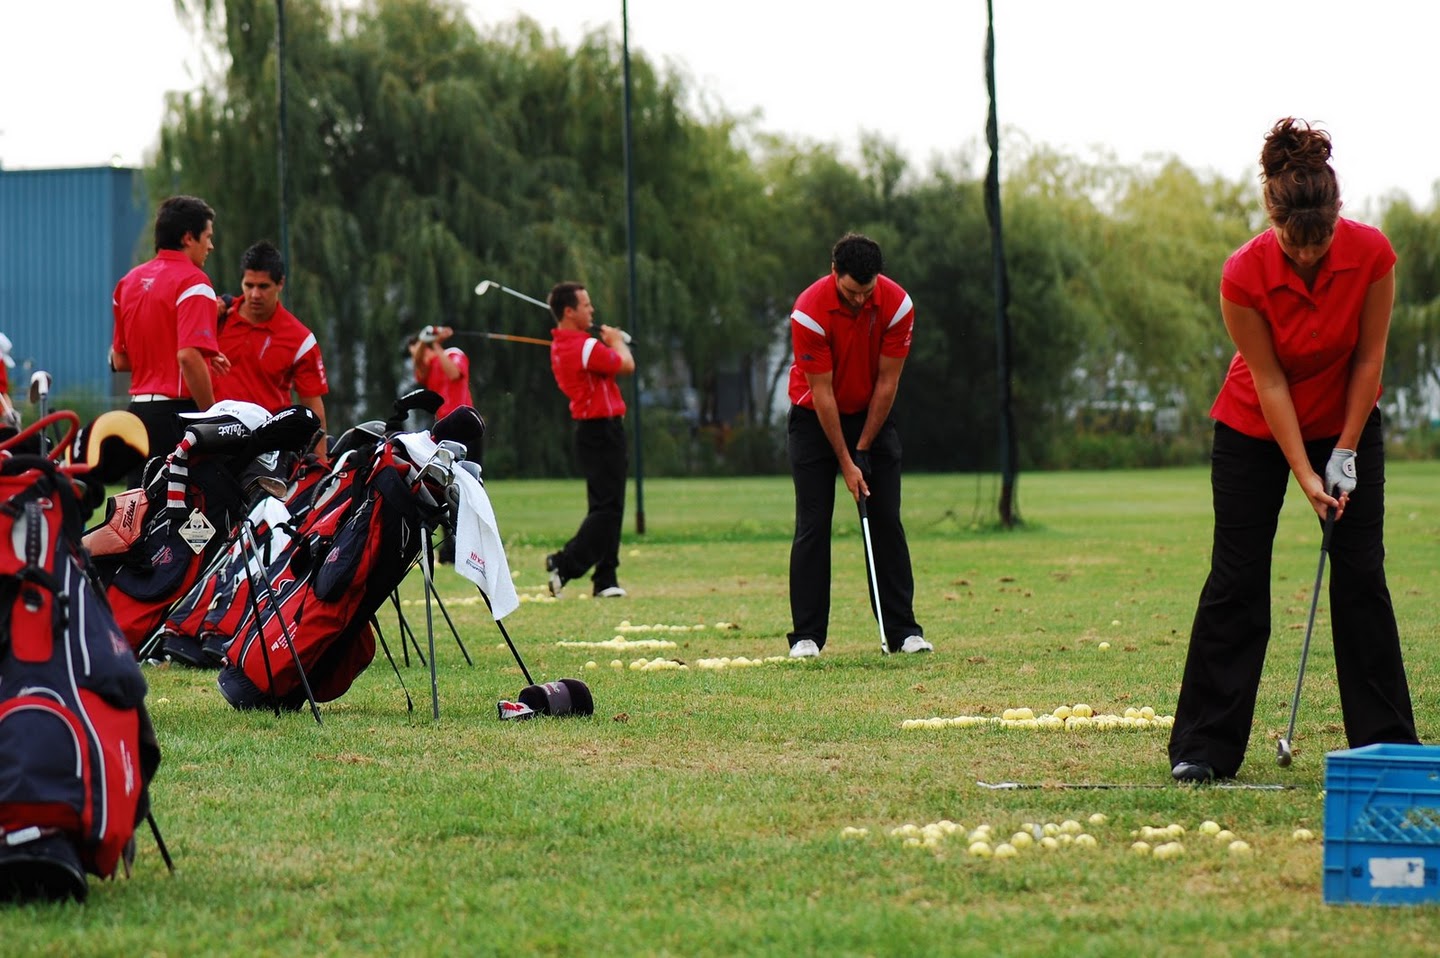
x,y
66,238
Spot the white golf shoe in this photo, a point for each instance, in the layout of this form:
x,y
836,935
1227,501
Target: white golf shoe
x,y
804,649
915,643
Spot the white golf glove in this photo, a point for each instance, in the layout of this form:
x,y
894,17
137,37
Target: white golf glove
x,y
1340,472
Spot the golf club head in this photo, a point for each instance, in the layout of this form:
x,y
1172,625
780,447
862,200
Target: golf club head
x,y
483,287
112,444
1283,755
365,435
39,385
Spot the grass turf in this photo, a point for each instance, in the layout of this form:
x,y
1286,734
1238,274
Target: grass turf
x,y
701,811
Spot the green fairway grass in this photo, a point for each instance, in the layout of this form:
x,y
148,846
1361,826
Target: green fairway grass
x,y
701,811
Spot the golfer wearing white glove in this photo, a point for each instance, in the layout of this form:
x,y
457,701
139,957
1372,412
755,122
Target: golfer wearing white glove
x,y
1307,304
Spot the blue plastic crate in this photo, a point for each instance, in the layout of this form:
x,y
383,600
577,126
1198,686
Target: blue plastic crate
x,y
1382,825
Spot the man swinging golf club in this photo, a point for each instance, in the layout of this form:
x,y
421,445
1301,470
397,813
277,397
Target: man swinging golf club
x,y
851,332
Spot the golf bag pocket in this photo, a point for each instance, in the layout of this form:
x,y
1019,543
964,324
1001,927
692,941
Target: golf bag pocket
x,y
337,571
124,522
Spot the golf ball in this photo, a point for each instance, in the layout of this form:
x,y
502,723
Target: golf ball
x,y
1140,848
1103,646
1208,828
982,849
1225,835
1238,847
1303,835
1005,850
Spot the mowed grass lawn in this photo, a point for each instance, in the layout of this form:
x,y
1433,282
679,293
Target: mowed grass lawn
x,y
700,811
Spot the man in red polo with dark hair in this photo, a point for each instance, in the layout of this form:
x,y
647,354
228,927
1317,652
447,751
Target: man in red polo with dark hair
x,y
165,325
851,333
271,352
585,369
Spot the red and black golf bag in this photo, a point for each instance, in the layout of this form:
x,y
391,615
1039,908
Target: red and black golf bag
x,y
77,751
342,565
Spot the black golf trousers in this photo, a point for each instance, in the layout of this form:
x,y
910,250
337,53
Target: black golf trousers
x,y
813,467
600,447
1228,638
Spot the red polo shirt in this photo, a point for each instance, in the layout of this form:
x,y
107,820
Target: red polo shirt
x,y
454,392
162,307
829,338
268,359
1314,331
585,370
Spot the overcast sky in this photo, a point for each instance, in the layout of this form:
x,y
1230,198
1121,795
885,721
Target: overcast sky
x,y
82,82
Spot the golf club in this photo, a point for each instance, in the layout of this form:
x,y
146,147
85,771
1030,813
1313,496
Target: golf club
x,y
40,397
485,285
870,568
1283,751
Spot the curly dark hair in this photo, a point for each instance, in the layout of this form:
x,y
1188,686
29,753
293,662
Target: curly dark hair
x,y
857,256
1302,195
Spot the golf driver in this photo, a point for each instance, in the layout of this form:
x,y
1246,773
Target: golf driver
x,y
484,286
1283,752
870,569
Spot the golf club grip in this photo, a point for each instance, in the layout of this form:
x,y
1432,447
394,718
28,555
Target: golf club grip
x,y
1325,531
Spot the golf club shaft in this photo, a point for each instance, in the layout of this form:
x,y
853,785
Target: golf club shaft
x,y
1288,741
484,285
507,337
870,569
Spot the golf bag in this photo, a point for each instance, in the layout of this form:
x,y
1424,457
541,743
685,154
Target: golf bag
x,y
77,750
190,502
343,563
199,626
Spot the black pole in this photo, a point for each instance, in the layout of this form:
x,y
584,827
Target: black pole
x,y
630,254
280,145
1002,287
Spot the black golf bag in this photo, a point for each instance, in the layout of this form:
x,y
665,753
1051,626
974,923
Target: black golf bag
x,y
77,751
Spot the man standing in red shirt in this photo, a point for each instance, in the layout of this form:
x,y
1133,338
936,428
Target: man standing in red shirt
x,y
851,333
585,369
271,352
443,369
165,325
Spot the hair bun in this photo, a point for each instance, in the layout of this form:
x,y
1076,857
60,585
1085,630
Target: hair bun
x,y
1293,144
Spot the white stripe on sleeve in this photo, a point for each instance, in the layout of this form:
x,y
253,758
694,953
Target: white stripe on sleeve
x,y
199,289
586,350
807,322
305,347
902,312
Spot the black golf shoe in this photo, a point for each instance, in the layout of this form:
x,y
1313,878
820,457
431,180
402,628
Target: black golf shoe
x,y
1192,772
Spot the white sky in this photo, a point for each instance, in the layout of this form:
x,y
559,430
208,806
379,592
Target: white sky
x,y
82,82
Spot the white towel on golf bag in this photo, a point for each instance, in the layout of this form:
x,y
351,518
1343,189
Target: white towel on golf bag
x,y
479,553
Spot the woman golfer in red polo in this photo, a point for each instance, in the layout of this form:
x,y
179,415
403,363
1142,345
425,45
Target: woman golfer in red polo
x,y
1307,304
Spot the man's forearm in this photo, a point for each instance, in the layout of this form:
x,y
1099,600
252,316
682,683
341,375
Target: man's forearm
x,y
196,372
